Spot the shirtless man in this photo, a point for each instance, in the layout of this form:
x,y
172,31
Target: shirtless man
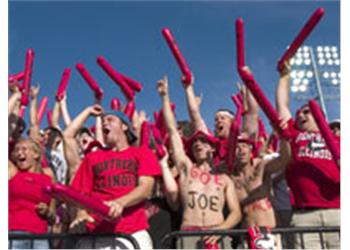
x,y
203,193
252,178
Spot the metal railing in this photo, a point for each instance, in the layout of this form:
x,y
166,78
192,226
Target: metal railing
x,y
300,231
75,237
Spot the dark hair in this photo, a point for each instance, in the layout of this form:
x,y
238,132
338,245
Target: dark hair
x,y
19,121
83,130
53,134
186,128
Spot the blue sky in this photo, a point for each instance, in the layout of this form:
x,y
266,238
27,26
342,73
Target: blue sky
x,y
128,35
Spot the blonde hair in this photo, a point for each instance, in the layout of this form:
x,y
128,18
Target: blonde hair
x,y
34,145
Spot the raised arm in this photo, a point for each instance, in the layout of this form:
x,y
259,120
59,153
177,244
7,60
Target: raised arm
x,y
179,155
280,163
171,188
55,120
193,105
98,125
14,100
282,94
64,111
34,130
251,116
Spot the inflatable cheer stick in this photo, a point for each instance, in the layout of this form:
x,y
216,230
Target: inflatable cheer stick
x,y
49,117
42,108
326,132
233,135
115,104
160,152
70,195
16,77
130,109
240,43
144,138
262,100
134,85
27,77
116,77
178,56
90,81
301,37
63,84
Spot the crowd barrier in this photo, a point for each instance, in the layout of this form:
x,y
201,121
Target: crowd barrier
x,y
178,235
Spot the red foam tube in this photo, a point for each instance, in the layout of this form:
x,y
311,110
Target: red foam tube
x,y
49,117
42,108
178,56
63,84
238,102
115,104
68,194
134,85
160,152
233,137
262,100
16,77
326,132
303,34
240,42
130,109
144,138
116,77
89,80
27,76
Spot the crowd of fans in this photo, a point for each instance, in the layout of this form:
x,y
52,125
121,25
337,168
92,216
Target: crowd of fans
x,y
169,175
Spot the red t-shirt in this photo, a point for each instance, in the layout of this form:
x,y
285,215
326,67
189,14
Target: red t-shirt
x,y
25,192
312,175
108,175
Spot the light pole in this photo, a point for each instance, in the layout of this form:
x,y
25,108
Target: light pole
x,y
316,75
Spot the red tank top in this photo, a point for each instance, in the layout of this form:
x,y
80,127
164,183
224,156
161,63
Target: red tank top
x,y
25,192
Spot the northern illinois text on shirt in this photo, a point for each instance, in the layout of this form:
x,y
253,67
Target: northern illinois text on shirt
x,y
312,145
115,173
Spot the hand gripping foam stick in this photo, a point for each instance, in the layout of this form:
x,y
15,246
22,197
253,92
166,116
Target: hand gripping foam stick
x,y
27,76
326,132
178,56
22,111
116,77
115,104
42,108
262,100
63,84
301,37
158,141
144,139
70,195
16,77
130,109
240,42
89,80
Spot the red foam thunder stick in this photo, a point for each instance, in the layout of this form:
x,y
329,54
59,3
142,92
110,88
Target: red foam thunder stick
x,y
144,138
49,117
134,85
116,77
262,100
27,77
240,42
22,111
301,37
115,104
89,80
63,84
70,195
160,152
18,77
234,133
178,56
42,108
326,132
130,109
